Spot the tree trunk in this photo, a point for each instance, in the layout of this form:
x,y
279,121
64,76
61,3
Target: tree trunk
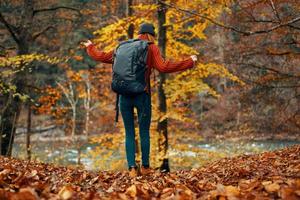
x,y
129,12
10,117
162,126
78,155
87,120
11,113
28,145
108,7
87,105
12,136
73,121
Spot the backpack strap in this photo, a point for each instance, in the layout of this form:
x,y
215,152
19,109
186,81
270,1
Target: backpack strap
x,y
117,109
117,99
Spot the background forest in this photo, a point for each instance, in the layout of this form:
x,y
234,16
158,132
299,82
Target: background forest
x,y
245,87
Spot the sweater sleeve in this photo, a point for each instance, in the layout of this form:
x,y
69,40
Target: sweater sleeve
x,y
156,61
98,55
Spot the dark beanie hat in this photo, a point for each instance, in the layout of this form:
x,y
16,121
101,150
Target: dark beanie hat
x,y
147,28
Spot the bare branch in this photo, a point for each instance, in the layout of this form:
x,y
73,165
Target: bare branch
x,y
35,36
4,49
274,10
68,94
254,20
249,81
281,53
269,69
9,28
280,25
7,48
54,9
288,23
294,27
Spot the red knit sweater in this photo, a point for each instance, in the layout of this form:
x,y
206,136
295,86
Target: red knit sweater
x,y
154,59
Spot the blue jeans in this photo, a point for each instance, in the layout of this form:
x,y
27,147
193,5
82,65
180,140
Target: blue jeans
x,y
142,103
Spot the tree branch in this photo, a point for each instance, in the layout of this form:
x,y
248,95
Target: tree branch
x,y
54,9
294,27
248,33
7,48
35,36
249,81
288,23
274,10
9,28
269,69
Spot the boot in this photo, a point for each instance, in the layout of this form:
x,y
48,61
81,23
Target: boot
x,y
165,168
133,172
145,170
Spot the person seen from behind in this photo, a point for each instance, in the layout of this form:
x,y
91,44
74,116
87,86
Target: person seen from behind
x,y
133,59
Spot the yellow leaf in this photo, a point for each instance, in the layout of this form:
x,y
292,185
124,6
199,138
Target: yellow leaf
x,y
273,187
66,193
131,191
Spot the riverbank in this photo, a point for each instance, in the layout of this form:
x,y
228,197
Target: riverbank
x,y
270,175
236,136
186,151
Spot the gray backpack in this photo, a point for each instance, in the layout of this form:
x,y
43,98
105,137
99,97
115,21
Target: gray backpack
x,y
129,67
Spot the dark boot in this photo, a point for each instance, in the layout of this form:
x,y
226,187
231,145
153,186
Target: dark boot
x,y
164,168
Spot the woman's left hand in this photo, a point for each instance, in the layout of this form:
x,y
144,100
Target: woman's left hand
x,y
87,43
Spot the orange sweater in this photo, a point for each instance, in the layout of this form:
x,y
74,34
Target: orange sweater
x,y
154,59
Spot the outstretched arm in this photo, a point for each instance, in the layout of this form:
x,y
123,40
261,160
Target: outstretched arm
x,y
155,60
98,55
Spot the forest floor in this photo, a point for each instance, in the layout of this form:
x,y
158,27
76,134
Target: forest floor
x,y
270,175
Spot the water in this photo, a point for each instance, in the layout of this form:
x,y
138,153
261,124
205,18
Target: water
x,y
199,153
246,147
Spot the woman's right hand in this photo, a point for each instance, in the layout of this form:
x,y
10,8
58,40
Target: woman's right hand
x,y
194,58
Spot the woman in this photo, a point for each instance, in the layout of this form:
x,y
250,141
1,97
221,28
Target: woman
x,y
141,102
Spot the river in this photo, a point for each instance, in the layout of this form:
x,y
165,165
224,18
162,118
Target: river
x,y
201,152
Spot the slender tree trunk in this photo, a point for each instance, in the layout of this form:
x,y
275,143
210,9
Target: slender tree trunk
x,y
108,7
129,12
162,126
87,105
201,106
238,117
12,135
73,121
1,131
87,119
79,155
28,145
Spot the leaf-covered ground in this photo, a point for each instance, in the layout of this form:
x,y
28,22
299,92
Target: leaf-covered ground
x,y
270,175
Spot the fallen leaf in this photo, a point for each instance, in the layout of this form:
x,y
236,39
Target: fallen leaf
x,y
26,194
66,192
271,188
131,191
